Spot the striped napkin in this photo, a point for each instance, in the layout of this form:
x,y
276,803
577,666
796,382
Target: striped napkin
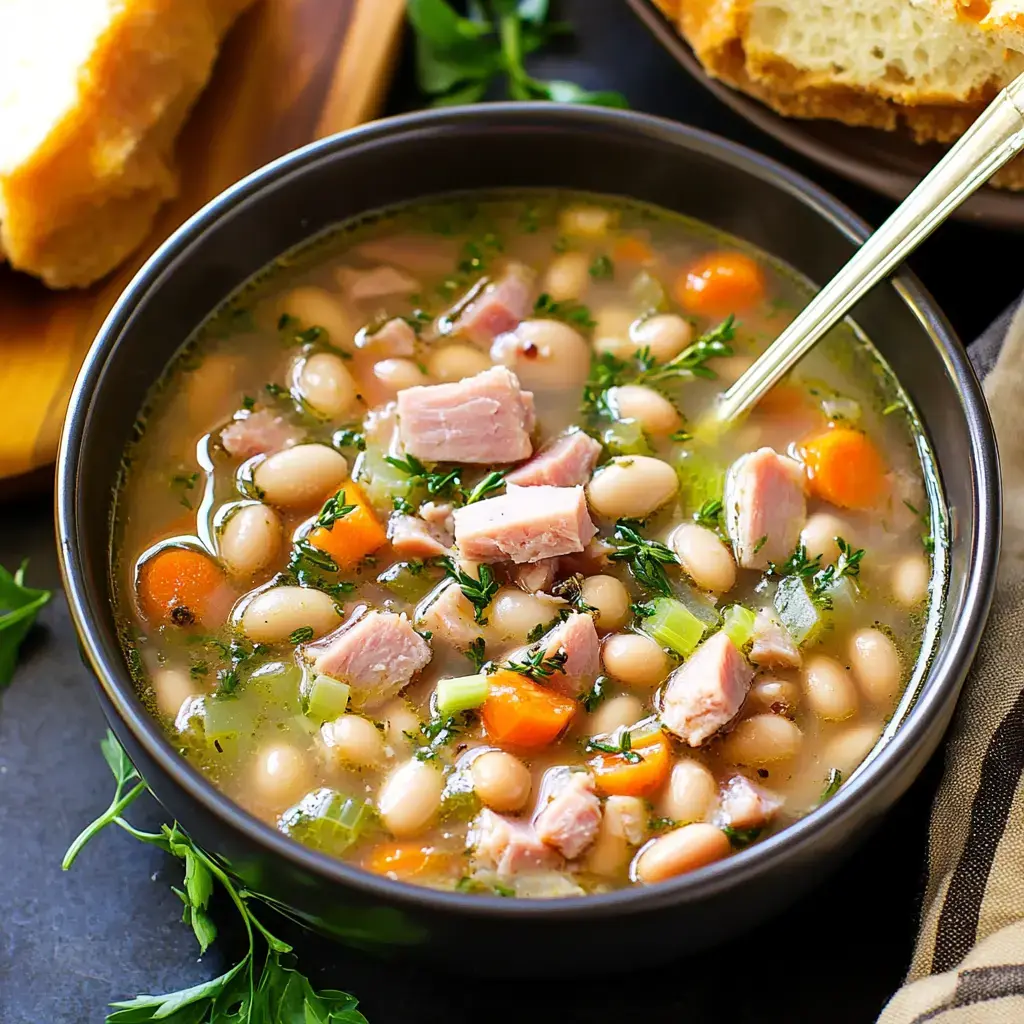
x,y
968,967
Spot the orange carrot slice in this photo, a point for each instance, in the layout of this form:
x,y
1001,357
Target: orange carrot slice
x,y
844,467
352,536
618,776
720,283
182,586
521,713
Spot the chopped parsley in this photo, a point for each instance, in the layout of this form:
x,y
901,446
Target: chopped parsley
x,y
334,508
832,784
646,558
479,592
187,483
709,514
681,436
740,837
476,653
349,438
595,695
469,884
661,824
571,312
624,748
302,635
927,539
602,269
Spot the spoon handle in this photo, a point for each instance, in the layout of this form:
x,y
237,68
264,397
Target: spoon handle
x,y
994,138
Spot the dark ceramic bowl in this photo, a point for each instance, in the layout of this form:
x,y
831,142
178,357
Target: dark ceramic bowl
x,y
516,145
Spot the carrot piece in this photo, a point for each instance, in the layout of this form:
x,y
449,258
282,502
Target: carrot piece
x,y
631,249
521,713
783,400
720,283
405,860
844,467
617,776
355,535
182,586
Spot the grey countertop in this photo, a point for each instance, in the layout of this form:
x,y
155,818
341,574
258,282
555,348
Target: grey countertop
x,y
110,929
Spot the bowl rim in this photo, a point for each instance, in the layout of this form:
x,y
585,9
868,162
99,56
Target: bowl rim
x,y
950,663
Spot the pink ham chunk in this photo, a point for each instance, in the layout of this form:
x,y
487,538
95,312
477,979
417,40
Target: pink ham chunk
x,y
745,805
413,537
393,338
482,420
577,638
536,576
703,695
567,461
448,615
499,307
260,433
525,524
375,284
773,646
508,846
570,819
765,507
376,655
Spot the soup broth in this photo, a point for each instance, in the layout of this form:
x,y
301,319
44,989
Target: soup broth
x,y
427,557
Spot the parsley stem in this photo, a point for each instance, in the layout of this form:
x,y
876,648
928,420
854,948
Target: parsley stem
x,y
111,814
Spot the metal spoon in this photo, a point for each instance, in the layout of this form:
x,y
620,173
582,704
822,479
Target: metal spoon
x,y
994,138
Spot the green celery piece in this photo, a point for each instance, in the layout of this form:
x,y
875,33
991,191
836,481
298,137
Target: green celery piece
x,y
797,611
381,481
701,479
844,595
648,293
625,437
277,683
226,718
461,694
328,698
327,820
738,624
406,584
697,605
673,625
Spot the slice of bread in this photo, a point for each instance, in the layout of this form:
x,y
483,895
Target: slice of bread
x,y
927,65
92,95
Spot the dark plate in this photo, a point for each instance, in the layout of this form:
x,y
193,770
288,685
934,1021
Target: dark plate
x,y
883,161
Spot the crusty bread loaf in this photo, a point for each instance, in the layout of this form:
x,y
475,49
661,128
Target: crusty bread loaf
x,y
929,66
92,94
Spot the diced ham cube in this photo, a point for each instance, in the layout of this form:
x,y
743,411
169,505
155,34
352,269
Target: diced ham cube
x,y
378,283
376,655
508,846
260,433
448,615
773,646
499,307
393,338
765,507
413,537
525,524
745,805
704,694
567,461
570,819
536,576
577,637
627,816
484,419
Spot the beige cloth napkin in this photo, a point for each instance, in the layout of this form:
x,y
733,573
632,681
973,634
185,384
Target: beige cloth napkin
x,y
968,966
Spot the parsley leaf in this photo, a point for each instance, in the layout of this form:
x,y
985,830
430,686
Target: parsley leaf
x,y
446,485
740,837
479,592
646,558
596,694
709,514
476,653
19,606
571,312
602,269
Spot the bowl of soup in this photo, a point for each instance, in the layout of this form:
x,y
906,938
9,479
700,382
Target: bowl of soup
x,y
421,591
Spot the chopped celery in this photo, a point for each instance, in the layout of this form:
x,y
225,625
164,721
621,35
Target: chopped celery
x,y
697,605
842,596
798,612
227,717
327,820
409,581
461,694
738,624
381,481
625,437
328,698
277,682
673,625
648,293
700,478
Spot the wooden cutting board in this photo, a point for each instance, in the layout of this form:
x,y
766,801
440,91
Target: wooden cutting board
x,y
290,71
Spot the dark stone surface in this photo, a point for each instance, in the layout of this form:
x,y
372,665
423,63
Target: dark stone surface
x,y
110,929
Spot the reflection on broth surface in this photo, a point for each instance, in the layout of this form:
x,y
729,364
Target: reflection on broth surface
x,y
423,559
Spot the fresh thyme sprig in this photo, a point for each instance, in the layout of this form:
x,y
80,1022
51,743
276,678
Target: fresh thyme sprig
x,y
536,665
646,558
479,592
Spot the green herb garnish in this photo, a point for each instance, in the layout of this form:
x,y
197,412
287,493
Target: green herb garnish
x,y
479,592
334,508
476,653
302,635
646,558
602,269
709,514
624,748
19,606
571,312
597,693
487,486
832,784
536,665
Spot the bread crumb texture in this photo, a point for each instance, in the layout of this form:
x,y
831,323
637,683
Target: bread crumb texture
x,y
92,96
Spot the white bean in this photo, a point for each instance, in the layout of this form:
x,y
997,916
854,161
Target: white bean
x,y
704,557
762,739
544,354
665,335
617,713
653,411
846,749
876,665
273,615
635,660
682,850
250,539
610,598
567,277
623,826
780,696
585,221
282,774
514,613
410,798
819,535
501,781
399,374
830,691
910,576
632,487
454,362
300,477
354,740
401,725
172,687
315,307
612,331
692,792
325,384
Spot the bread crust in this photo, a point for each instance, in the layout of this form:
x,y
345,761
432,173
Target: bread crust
x,y
87,195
